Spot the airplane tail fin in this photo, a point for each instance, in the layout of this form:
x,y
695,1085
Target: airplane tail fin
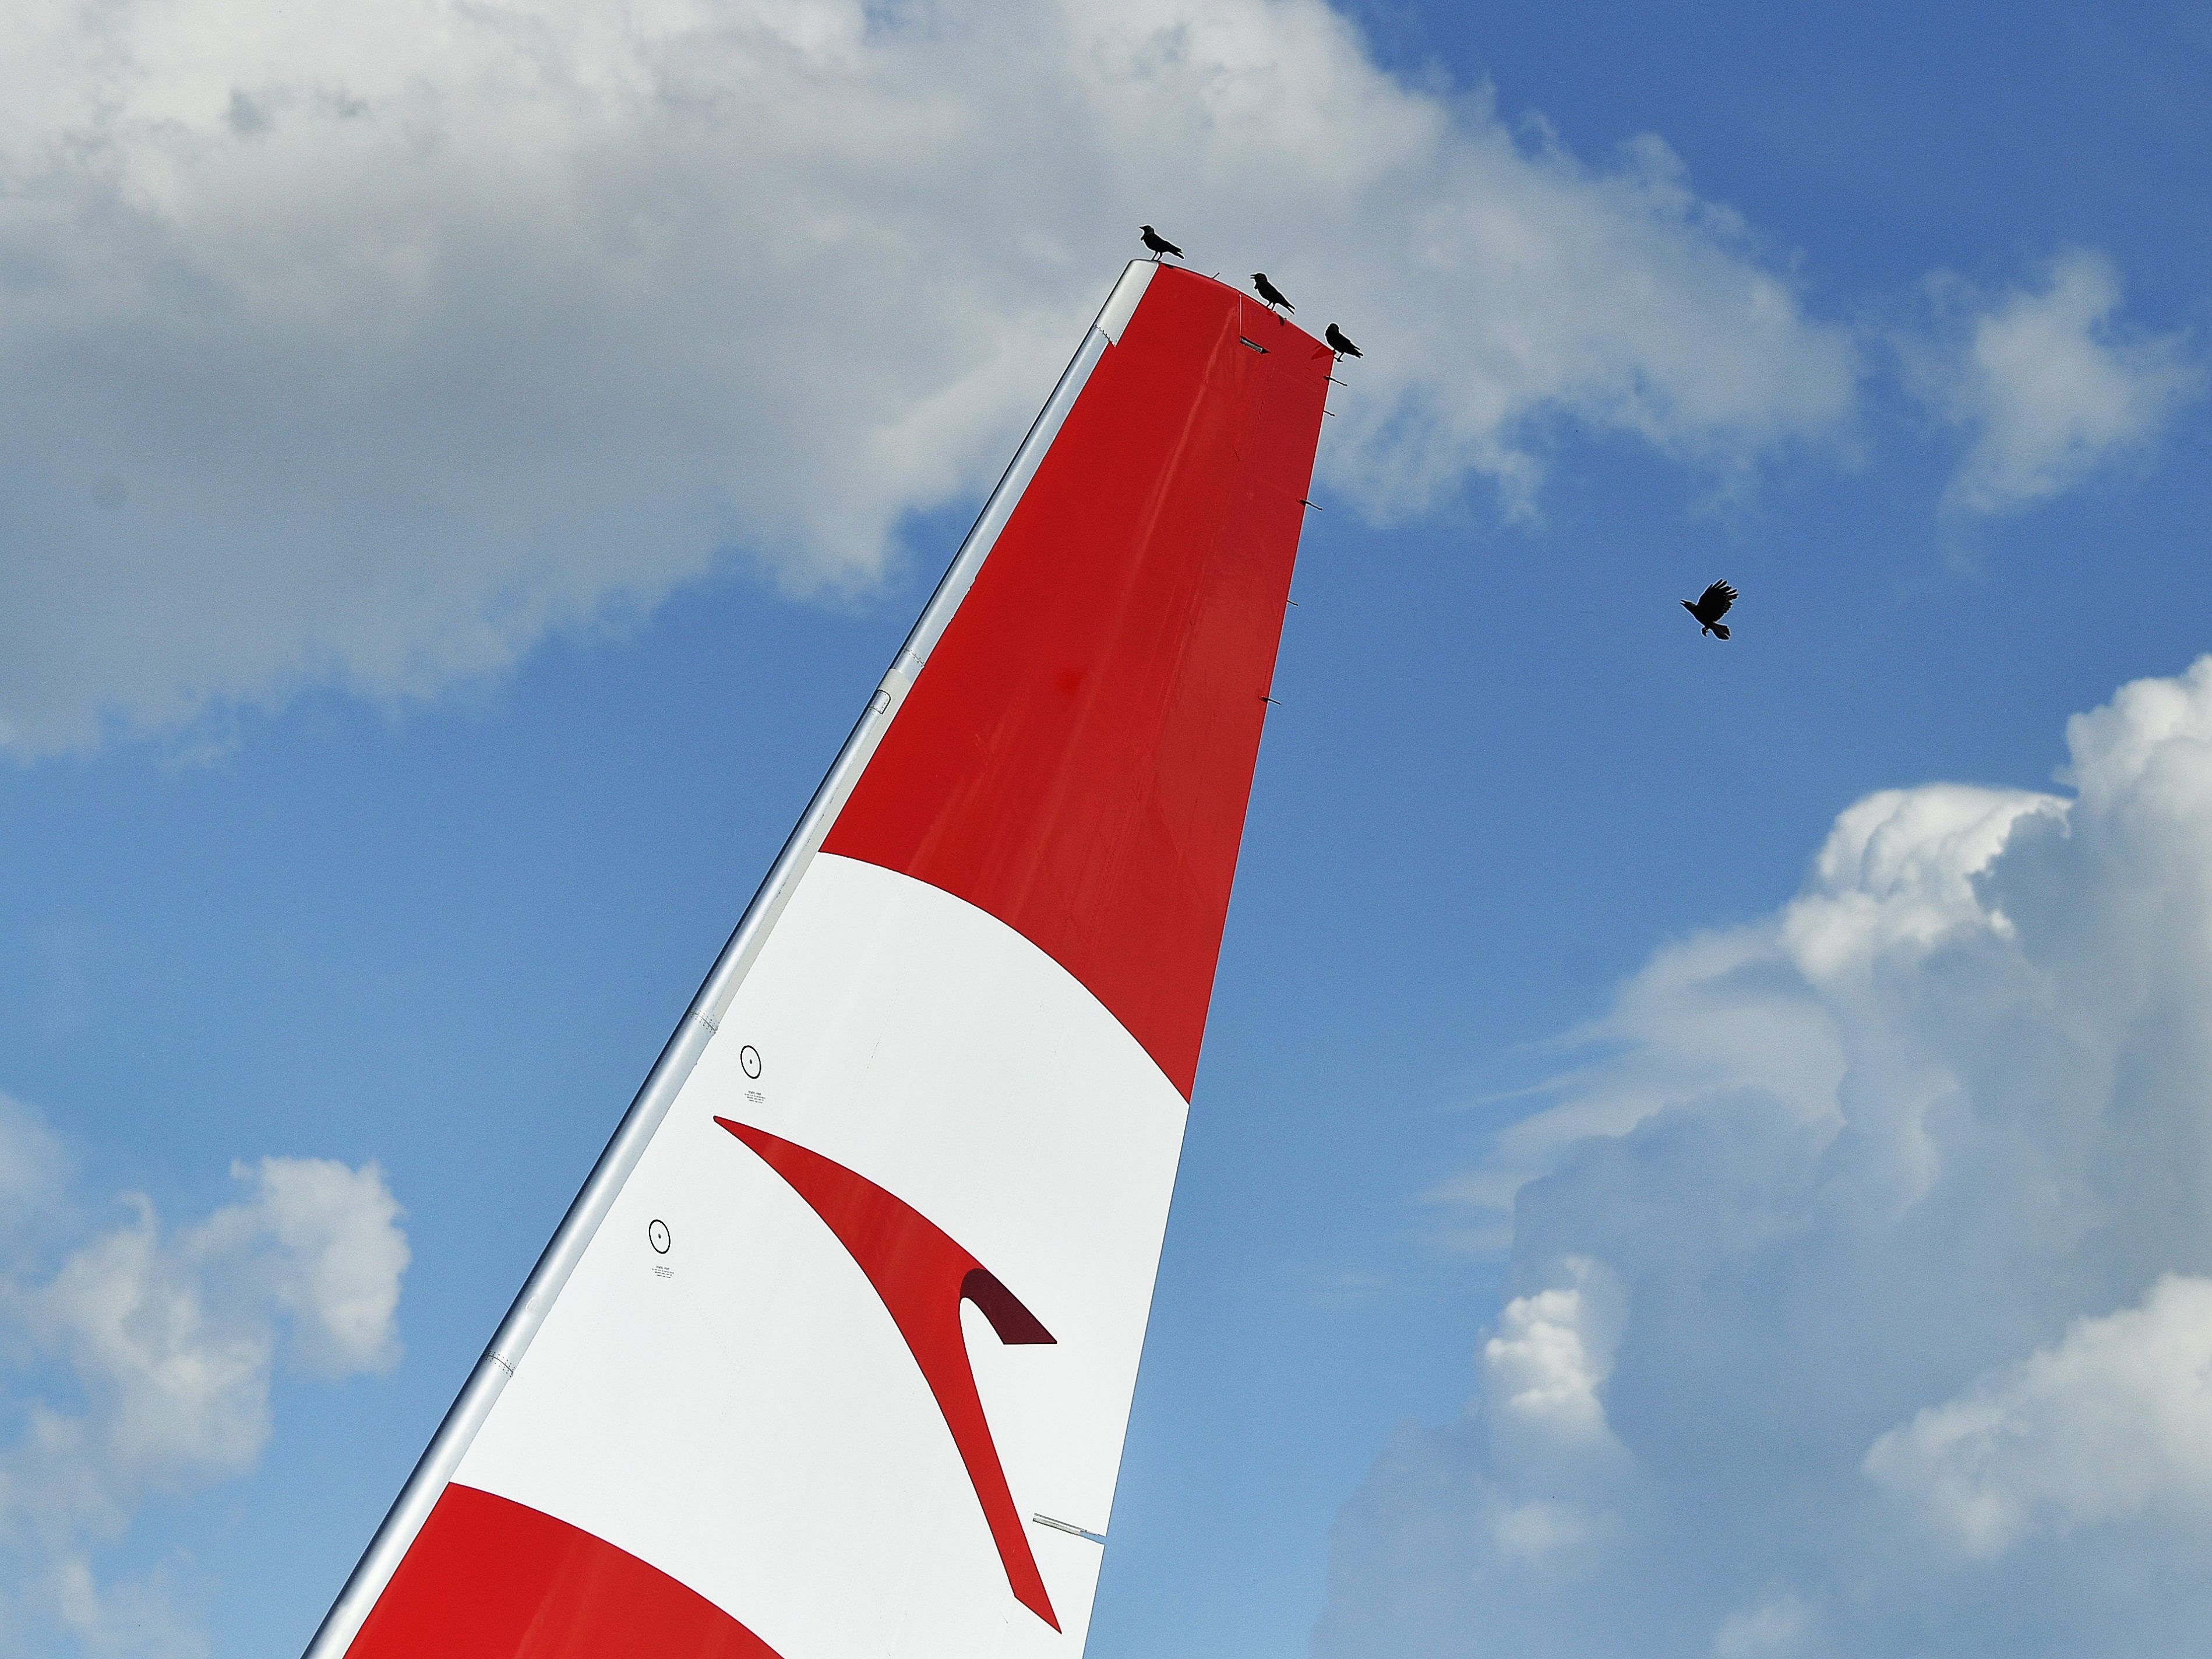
x,y
740,1409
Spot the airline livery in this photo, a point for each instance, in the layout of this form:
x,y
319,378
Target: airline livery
x,y
832,1357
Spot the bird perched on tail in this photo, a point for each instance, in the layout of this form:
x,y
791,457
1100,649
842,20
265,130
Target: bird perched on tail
x,y
1268,291
1340,342
1158,243
1710,606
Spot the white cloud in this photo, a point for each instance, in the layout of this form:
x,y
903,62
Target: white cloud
x,y
1543,1372
1897,875
2111,1422
144,1364
364,348
33,1169
1869,1178
2049,384
1779,1628
1543,1367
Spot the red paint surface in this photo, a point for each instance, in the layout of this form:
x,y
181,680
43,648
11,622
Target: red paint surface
x,y
488,1578
922,1276
1076,756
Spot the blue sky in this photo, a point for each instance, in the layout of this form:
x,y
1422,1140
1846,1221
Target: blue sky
x,y
438,568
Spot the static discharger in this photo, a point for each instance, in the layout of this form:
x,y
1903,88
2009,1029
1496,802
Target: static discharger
x,y
1068,1526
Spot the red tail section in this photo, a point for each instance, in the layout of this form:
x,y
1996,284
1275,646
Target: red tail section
x,y
1076,758
488,1577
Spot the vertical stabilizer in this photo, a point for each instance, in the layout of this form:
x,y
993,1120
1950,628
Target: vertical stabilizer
x,y
833,1356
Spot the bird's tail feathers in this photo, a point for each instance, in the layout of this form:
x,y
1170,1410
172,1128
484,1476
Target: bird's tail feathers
x,y
1721,629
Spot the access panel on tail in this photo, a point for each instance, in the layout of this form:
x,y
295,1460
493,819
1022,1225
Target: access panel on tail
x,y
832,1358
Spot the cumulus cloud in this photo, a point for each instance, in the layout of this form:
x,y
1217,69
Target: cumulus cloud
x,y
366,348
1903,1198
144,1363
1550,1353
2111,1422
2048,383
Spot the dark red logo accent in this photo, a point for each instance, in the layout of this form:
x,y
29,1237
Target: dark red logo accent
x,y
922,1276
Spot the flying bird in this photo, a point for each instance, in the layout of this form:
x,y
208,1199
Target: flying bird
x,y
1709,607
1340,342
1269,292
1158,243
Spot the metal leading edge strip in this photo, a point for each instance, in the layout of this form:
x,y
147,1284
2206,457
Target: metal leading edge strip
x,y
662,1084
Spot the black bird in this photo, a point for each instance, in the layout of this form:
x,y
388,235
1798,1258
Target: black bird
x,y
1340,342
1269,292
1710,606
1158,243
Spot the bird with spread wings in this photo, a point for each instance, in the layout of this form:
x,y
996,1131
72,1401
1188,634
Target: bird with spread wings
x,y
1709,607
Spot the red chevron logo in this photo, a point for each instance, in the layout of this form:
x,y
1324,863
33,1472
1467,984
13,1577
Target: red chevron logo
x,y
922,1276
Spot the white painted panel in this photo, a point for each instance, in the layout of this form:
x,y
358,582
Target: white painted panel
x,y
748,1418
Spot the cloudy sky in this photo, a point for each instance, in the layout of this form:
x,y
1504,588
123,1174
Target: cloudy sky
x,y
1702,1150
